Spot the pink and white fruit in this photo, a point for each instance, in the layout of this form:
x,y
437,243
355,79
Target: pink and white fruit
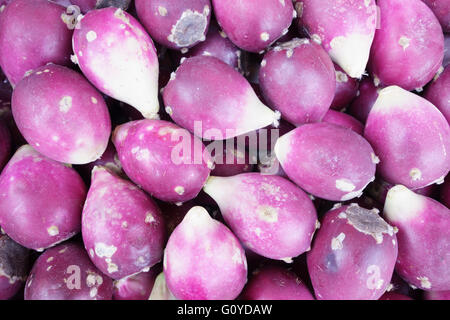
x,y
14,264
66,273
32,34
353,255
116,54
176,24
344,28
165,160
363,103
5,144
211,99
275,283
108,159
411,137
423,238
346,89
160,290
326,160
441,9
203,260
135,287
446,60
438,93
343,120
218,45
123,230
408,47
40,200
297,78
254,25
269,214
61,115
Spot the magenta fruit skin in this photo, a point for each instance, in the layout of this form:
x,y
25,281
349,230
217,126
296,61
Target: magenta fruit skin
x,y
5,144
298,79
14,266
437,295
212,100
438,93
269,214
32,34
343,120
176,24
346,89
363,103
254,25
85,5
149,151
403,53
275,283
61,115
40,200
203,260
446,61
423,238
345,29
122,227
411,138
66,273
441,9
394,296
118,57
108,159
218,45
305,153
135,287
233,160
353,255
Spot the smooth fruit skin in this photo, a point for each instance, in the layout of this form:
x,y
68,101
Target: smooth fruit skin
x,y
345,29
408,48
269,214
441,9
61,115
423,238
66,273
346,89
212,100
255,24
203,260
364,101
32,34
343,120
122,227
437,295
14,266
298,79
353,255
411,138
218,45
165,160
438,93
135,287
275,283
326,160
40,200
117,55
176,24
